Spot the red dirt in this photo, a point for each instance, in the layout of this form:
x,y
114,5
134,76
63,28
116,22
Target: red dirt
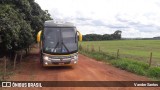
x,y
87,69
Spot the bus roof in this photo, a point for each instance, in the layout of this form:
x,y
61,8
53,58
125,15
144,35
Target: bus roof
x,y
51,23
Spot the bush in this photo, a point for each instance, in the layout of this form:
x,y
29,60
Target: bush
x,y
122,64
153,72
129,65
136,69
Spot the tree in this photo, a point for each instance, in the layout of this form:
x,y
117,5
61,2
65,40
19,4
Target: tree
x,y
20,22
117,34
96,37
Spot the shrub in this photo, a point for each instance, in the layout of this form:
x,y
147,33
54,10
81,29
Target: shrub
x,y
153,72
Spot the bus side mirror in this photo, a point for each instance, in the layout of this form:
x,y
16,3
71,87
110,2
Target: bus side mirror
x,y
39,36
80,36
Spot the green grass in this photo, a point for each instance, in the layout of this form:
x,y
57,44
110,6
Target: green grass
x,y
8,72
139,68
132,49
129,64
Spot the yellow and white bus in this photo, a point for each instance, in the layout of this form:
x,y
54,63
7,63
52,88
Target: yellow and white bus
x,y
58,44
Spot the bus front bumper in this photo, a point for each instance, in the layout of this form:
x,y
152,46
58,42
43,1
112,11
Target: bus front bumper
x,y
60,62
50,63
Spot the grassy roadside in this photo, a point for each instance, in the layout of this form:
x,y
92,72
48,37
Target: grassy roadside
x,y
132,49
133,66
9,71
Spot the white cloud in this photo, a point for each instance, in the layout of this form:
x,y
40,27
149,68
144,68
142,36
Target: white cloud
x,y
136,18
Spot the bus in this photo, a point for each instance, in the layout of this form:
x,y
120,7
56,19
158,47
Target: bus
x,y
58,44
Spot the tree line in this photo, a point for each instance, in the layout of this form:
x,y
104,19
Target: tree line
x,y
20,20
97,37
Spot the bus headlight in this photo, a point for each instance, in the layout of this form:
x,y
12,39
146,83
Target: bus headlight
x,y
45,57
75,57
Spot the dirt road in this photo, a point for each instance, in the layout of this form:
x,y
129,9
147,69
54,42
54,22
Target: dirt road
x,y
87,70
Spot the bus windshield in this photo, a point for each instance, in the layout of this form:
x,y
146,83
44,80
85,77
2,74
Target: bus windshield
x,y
60,40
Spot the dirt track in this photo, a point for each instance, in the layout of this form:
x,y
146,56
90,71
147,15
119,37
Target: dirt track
x,y
87,70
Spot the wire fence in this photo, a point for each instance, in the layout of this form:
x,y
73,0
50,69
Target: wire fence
x,y
7,66
118,53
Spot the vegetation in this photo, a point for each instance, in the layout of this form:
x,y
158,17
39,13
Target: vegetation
x,y
133,49
20,21
96,37
9,72
130,65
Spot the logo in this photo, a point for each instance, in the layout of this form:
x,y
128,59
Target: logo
x,y
6,84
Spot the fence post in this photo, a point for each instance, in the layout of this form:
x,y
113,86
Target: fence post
x,y
118,53
28,48
87,48
92,48
15,61
21,56
80,47
99,49
150,60
26,51
5,67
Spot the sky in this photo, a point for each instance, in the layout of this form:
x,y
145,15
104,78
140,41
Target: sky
x,y
135,18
